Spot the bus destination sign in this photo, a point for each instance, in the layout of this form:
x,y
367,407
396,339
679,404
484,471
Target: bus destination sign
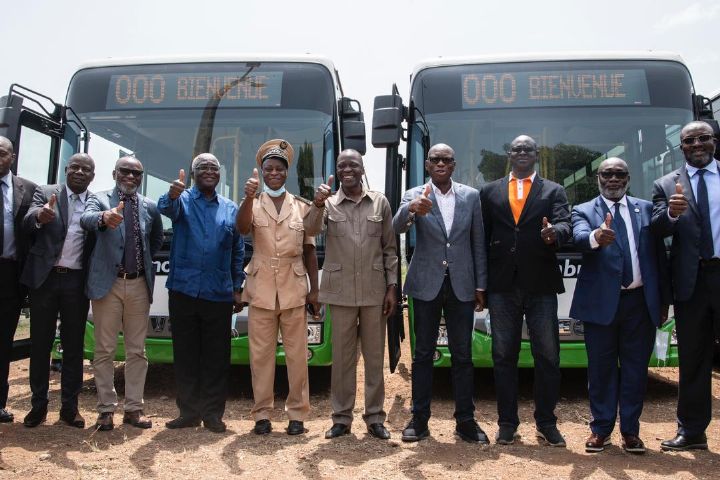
x,y
194,90
554,89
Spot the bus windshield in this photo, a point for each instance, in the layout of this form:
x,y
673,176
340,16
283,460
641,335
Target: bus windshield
x,y
579,112
166,114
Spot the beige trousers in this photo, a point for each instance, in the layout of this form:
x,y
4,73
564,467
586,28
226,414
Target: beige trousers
x,y
349,323
125,308
262,334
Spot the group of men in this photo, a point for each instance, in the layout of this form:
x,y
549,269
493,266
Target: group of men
x,y
494,248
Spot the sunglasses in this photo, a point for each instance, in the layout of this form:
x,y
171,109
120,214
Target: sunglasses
x,y
520,149
436,160
608,175
129,171
705,137
205,167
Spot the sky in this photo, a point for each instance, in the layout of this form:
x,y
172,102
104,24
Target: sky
x,y
373,43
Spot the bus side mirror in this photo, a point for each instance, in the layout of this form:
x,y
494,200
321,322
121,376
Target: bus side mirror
x,y
353,125
387,121
10,109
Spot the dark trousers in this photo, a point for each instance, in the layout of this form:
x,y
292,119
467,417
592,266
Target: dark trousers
x,y
694,326
459,321
507,310
11,297
618,356
201,354
62,293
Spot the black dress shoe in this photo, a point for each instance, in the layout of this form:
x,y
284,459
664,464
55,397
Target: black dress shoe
x,y
215,425
137,419
72,418
337,430
262,427
295,427
35,417
378,430
415,431
183,422
470,431
104,422
5,416
681,442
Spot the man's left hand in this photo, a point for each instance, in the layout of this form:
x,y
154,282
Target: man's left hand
x,y
312,299
548,233
390,301
238,303
479,301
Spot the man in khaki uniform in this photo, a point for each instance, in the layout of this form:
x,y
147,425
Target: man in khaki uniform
x,y
358,283
276,287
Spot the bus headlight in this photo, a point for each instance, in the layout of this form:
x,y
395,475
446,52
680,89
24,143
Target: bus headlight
x,y
442,339
314,334
436,355
673,337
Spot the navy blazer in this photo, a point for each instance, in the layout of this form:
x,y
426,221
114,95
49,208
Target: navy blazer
x,y
462,253
685,250
597,292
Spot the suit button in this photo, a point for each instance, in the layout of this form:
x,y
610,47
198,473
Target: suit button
x,y
512,249
517,229
444,262
447,245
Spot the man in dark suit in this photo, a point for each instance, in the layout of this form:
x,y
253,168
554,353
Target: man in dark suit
x,y
55,273
687,206
526,219
447,276
619,297
15,198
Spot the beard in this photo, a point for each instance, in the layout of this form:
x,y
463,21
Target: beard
x,y
126,189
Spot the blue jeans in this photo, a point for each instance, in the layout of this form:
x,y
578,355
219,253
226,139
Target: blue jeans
x,y
506,320
459,319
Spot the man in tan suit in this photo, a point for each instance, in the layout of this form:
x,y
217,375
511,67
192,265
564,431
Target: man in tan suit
x,y
358,284
276,287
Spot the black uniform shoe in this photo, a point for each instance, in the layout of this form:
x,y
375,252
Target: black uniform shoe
x,y
681,442
262,427
337,430
183,422
295,427
470,431
5,416
415,431
378,430
506,435
552,436
104,422
35,417
215,425
74,419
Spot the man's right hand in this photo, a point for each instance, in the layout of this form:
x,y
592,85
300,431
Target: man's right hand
x,y
47,213
252,184
323,192
605,235
421,205
113,218
677,203
178,186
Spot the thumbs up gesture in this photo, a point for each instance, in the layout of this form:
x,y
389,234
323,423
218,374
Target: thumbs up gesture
x,y
114,217
422,205
677,203
323,192
548,233
252,184
604,234
47,213
178,186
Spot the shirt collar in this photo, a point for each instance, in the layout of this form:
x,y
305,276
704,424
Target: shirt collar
x,y
610,204
531,177
81,196
341,194
196,193
710,167
437,191
7,180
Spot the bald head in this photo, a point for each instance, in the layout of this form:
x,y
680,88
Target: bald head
x,y
205,158
441,148
350,153
6,143
613,178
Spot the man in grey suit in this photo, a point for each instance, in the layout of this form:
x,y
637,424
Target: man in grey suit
x,y
447,275
55,271
120,285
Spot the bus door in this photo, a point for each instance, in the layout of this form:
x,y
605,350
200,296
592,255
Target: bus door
x,y
41,132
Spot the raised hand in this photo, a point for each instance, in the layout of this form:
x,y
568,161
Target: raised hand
x,y
178,186
252,184
604,234
47,213
548,233
323,192
114,217
677,203
421,205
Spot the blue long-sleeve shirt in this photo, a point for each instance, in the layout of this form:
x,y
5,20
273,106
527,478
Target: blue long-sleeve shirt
x,y
206,257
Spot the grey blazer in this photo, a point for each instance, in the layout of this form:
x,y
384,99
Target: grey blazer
x,y
462,253
107,256
47,241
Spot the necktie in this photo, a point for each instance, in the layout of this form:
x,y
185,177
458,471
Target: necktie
x,y
706,241
74,197
622,238
130,260
2,216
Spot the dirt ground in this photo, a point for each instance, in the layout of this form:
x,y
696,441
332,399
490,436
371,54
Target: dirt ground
x,y
54,450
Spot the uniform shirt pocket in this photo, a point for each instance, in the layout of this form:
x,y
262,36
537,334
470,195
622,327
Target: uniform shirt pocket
x,y
337,224
374,225
331,280
299,230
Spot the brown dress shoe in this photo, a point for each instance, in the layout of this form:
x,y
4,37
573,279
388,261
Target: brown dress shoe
x,y
74,419
633,444
105,421
596,443
137,419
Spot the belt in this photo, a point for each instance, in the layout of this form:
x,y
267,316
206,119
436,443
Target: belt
x,y
7,260
58,269
131,276
710,263
275,262
630,291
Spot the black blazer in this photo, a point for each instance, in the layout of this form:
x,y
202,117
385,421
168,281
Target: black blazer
x,y
46,242
517,256
22,198
685,250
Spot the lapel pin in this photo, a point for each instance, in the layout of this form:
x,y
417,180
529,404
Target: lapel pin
x,y
637,210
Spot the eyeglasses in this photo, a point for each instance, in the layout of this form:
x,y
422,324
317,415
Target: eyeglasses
x,y
705,137
607,175
522,148
436,160
207,167
129,171
80,168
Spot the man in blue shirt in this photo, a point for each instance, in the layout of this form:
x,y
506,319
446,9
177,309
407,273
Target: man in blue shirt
x,y
206,274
